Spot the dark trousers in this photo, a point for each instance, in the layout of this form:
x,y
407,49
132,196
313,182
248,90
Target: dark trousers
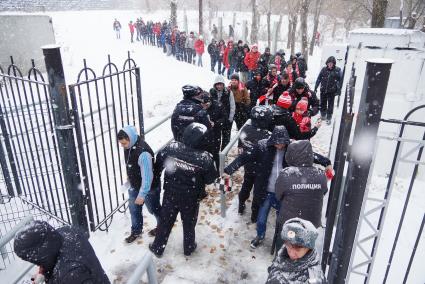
x,y
213,63
132,34
327,104
226,131
240,117
221,67
172,204
189,55
247,185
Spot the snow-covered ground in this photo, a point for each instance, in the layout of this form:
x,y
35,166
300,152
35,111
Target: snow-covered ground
x,y
223,254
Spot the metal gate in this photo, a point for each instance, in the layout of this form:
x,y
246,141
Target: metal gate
x,y
59,155
101,106
362,210
29,154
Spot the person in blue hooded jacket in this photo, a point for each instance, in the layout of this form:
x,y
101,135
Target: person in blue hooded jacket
x,y
143,188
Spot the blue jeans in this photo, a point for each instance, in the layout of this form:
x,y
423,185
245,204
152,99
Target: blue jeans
x,y
263,213
136,211
200,60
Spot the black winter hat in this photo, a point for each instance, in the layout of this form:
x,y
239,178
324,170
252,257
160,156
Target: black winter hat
x,y
299,83
261,117
234,76
190,91
257,72
280,52
38,243
193,134
267,49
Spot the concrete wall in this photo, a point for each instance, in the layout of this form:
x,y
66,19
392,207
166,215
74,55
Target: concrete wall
x,y
21,37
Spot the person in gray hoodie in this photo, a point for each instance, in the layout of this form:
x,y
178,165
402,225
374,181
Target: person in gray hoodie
x,y
300,187
297,261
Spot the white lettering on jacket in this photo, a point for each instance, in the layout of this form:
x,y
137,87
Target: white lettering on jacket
x,y
307,186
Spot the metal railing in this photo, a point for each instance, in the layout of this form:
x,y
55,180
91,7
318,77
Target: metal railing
x,y
222,157
145,266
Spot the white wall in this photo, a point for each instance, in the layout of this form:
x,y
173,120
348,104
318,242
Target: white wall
x,y
21,37
406,90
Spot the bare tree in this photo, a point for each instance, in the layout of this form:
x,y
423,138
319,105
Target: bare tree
x,y
379,10
173,17
304,40
317,9
148,5
269,15
254,23
201,19
293,10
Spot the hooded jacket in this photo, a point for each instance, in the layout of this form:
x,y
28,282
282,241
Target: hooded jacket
x,y
330,80
65,254
225,98
313,101
138,164
256,88
187,168
300,187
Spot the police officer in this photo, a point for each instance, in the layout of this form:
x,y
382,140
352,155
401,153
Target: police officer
x,y
187,170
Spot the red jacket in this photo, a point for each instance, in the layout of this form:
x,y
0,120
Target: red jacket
x,y
251,60
228,49
199,46
131,26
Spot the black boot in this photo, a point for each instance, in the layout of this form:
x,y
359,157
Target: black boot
x,y
241,209
158,255
152,233
132,238
188,253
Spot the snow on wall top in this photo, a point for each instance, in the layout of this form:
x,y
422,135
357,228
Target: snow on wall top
x,y
387,38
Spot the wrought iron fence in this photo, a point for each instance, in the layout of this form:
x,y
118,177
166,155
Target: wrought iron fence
x,y
101,106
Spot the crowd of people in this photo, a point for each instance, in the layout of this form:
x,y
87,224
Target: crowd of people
x,y
269,101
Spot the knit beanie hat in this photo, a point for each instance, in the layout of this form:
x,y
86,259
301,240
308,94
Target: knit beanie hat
x,y
284,101
234,76
302,105
299,232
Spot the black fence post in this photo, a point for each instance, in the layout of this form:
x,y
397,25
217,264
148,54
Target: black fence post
x,y
339,165
139,102
365,134
65,136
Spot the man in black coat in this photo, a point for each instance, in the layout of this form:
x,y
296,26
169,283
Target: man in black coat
x,y
256,87
189,110
299,90
222,95
300,187
302,64
214,53
64,256
263,62
283,85
187,170
268,158
330,80
251,133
